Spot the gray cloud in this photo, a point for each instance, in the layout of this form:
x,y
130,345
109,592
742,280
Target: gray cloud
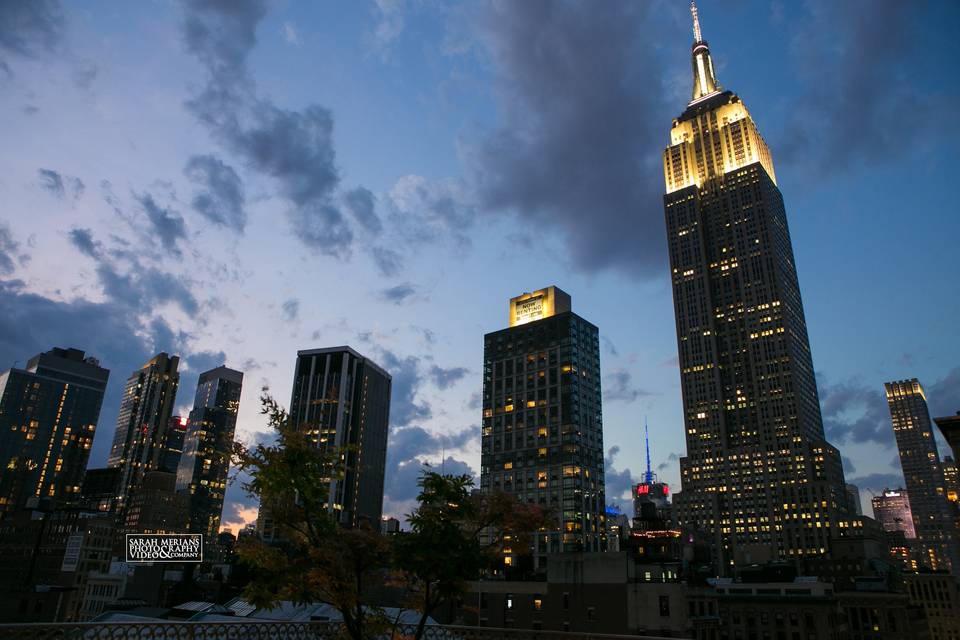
x,y
618,386
617,482
411,442
254,365
237,500
944,394
446,378
855,112
848,467
874,483
389,26
146,286
671,459
428,210
83,240
475,402
413,449
8,250
142,286
388,261
322,228
853,412
609,346
166,223
362,204
291,309
31,28
165,338
398,294
407,380
578,147
428,336
221,198
85,73
58,184
293,147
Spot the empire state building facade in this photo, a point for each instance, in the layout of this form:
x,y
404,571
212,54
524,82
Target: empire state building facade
x,y
759,478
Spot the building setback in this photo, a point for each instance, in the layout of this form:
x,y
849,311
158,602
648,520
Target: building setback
x,y
759,475
343,399
542,437
923,474
208,443
48,415
139,443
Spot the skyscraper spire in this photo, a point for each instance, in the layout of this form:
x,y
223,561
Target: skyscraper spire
x,y
697,37
704,80
648,476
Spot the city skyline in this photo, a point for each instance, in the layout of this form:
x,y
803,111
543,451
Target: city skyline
x,y
142,258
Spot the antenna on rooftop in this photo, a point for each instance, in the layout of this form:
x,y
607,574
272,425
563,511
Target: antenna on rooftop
x,y
648,476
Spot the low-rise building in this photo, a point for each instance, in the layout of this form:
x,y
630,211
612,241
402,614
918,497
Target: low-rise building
x,y
611,592
938,594
46,558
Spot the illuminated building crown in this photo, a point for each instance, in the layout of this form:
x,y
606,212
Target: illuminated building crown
x,y
704,80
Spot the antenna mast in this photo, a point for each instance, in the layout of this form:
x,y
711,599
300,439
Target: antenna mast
x,y
648,476
697,37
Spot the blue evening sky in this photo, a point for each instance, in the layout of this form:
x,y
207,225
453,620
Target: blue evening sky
x,y
233,181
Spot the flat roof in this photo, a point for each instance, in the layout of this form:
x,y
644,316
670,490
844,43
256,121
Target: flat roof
x,y
344,349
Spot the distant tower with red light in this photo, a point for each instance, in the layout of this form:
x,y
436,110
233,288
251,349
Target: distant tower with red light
x,y
651,498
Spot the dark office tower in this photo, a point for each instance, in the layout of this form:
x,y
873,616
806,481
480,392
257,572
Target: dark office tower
x,y
145,411
100,488
48,415
155,506
542,422
923,474
853,497
343,398
759,477
173,444
206,450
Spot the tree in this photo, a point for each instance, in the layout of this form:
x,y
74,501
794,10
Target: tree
x,y
455,535
310,558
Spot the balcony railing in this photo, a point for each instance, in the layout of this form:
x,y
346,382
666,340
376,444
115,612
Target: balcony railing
x,y
268,630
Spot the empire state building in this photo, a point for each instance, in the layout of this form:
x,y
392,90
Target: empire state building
x,y
759,480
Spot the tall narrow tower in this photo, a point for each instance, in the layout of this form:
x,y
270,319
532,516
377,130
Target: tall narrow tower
x,y
542,420
139,443
205,462
923,473
759,478
343,399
